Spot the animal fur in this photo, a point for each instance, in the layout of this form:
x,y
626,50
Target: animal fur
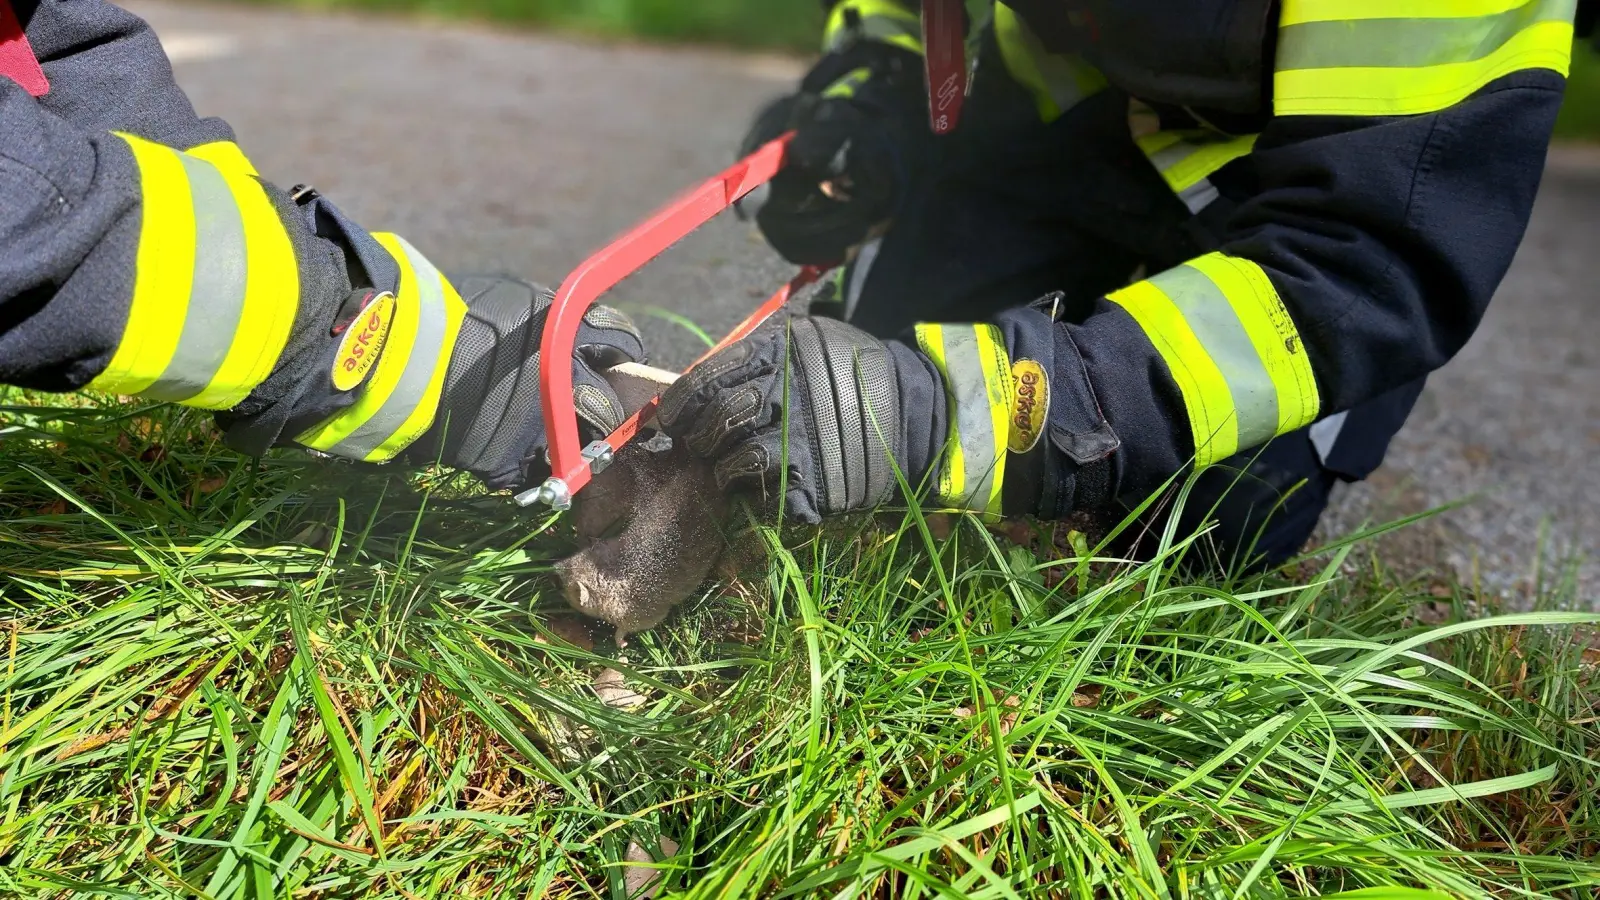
x,y
652,527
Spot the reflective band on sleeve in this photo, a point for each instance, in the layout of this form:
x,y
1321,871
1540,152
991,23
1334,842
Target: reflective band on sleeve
x,y
848,85
885,21
1233,350
271,298
216,284
1057,82
225,155
401,396
163,272
978,385
1188,159
1407,57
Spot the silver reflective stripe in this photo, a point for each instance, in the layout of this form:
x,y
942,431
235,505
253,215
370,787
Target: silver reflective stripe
x,y
1167,159
216,296
1196,196
860,268
1325,435
1211,317
432,326
1068,86
974,418
1410,42
1200,196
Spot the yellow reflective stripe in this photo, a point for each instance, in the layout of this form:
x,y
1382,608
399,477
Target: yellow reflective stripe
x,y
1428,62
1057,83
163,272
271,298
1206,396
225,155
1410,43
427,408
953,475
1397,92
1231,347
978,387
386,375
1298,12
1158,142
1188,159
401,397
1185,159
849,84
884,21
216,284
1273,333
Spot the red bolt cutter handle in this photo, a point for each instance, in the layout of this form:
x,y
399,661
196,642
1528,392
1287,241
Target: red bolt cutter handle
x,y
944,39
573,465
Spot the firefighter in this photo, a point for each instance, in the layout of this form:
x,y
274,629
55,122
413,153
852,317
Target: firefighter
x,y
1235,235
141,254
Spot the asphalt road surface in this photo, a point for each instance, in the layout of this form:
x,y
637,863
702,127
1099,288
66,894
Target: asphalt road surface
x,y
520,153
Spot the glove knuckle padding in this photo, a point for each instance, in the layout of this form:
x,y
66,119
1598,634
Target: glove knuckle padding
x,y
594,401
748,465
608,337
700,385
733,414
853,406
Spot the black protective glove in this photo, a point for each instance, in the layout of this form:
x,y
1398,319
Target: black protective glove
x,y
846,423
490,421
998,418
860,119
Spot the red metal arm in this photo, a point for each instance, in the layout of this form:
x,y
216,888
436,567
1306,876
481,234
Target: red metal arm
x,y
944,44
571,470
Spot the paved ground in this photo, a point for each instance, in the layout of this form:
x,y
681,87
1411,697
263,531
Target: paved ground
x,y
520,153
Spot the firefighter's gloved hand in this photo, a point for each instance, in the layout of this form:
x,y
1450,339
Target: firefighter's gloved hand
x,y
490,420
997,418
859,123
843,397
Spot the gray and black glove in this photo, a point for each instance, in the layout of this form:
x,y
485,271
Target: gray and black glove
x,y
860,123
490,421
996,418
844,396
388,359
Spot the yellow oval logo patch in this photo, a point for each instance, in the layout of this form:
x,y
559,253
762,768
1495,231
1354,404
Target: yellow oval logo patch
x,y
363,342
1030,403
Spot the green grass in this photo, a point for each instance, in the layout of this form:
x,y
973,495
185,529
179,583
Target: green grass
x,y
297,678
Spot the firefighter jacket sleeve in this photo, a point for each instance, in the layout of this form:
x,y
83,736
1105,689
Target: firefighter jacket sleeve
x,y
141,254
1387,196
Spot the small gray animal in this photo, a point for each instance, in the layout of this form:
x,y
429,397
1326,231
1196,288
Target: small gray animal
x,y
653,529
